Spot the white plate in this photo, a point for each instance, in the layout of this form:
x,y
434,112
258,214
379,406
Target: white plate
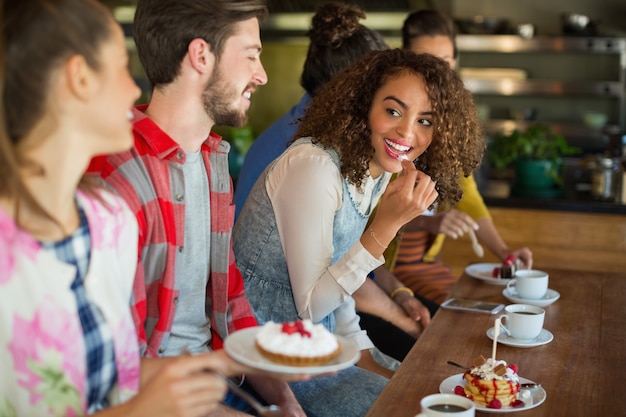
x,y
484,272
550,297
535,395
545,337
240,346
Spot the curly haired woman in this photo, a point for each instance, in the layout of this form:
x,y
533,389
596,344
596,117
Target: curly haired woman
x,y
299,240
416,261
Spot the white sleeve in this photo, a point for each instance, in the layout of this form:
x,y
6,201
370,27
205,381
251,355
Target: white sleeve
x,y
306,191
347,325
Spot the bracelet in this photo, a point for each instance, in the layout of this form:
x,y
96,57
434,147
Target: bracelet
x,y
399,290
376,240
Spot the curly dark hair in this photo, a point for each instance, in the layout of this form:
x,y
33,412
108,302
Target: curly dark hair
x,y
337,118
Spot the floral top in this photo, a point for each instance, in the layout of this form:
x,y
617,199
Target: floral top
x,y
42,350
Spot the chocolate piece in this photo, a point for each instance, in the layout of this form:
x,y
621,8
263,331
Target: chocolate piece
x,y
478,361
500,369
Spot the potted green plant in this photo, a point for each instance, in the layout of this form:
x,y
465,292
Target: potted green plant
x,y
536,154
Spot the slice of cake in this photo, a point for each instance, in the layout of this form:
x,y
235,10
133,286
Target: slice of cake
x,y
298,343
492,385
507,269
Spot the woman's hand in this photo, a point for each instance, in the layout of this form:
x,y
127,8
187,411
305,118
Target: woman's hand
x,y
405,198
181,387
413,308
454,223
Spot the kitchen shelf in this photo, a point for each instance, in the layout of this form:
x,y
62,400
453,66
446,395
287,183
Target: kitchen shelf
x,y
515,43
543,57
562,128
508,87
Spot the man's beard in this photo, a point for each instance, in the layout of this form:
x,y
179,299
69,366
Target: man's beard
x,y
217,98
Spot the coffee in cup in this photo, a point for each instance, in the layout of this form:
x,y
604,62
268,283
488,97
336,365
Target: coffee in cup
x,y
531,284
446,405
523,321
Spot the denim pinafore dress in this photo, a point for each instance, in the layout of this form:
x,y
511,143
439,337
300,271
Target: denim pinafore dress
x,y
259,253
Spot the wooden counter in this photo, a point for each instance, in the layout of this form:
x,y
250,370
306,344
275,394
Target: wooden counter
x,y
558,239
582,369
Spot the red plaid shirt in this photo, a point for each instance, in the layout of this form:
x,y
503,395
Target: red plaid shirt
x,y
150,179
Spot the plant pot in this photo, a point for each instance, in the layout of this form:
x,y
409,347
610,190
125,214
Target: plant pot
x,y
535,174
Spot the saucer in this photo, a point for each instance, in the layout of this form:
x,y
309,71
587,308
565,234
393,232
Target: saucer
x,y
550,297
544,338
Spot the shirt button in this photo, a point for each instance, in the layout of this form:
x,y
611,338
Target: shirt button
x,y
161,349
179,197
176,300
181,249
179,155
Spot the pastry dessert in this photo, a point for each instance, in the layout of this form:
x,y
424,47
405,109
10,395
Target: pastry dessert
x,y
492,385
507,269
299,343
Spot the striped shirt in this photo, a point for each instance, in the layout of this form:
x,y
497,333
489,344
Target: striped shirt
x,y
150,178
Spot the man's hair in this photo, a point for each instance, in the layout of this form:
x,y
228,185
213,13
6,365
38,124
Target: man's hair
x,y
337,39
163,30
338,118
428,22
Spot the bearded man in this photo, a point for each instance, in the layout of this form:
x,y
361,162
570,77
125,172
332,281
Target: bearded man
x,y
203,60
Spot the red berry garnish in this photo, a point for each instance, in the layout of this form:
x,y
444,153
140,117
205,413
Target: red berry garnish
x,y
517,404
458,390
495,403
496,272
295,327
303,332
509,261
513,367
289,328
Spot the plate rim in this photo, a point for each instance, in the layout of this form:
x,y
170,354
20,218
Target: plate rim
x,y
490,280
539,303
353,355
522,345
501,410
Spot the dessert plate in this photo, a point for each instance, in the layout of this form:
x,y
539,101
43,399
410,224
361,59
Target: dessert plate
x,y
545,337
484,271
240,346
531,397
550,297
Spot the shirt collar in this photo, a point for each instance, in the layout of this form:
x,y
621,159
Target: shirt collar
x,y
160,142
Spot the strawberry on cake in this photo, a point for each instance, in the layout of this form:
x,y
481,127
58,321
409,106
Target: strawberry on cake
x,y
507,269
492,385
297,343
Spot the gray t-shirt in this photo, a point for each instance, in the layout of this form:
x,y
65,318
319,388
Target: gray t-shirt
x,y
191,329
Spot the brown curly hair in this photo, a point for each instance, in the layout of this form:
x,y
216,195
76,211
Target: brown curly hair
x,y
337,118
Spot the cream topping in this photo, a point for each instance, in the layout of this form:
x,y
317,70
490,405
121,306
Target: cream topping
x,y
271,338
485,371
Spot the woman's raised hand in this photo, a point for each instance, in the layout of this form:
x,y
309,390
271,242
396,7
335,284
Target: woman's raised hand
x,y
408,196
405,198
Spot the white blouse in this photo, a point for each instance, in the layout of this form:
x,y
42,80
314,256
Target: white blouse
x,y
305,188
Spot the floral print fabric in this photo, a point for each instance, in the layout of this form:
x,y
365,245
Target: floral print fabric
x,y
42,352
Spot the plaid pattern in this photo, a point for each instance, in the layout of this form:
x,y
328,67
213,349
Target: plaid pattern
x,y
101,371
150,178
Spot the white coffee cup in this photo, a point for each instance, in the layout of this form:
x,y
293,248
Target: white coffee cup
x,y
531,284
446,405
523,321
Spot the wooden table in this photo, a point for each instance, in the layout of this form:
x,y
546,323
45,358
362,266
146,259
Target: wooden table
x,y
583,370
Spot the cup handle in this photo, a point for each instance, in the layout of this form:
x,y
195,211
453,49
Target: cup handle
x,y
502,327
508,284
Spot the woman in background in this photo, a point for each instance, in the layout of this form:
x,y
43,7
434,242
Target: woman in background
x,y
68,345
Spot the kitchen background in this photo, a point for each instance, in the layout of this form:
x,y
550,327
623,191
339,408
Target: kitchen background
x,y
575,83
